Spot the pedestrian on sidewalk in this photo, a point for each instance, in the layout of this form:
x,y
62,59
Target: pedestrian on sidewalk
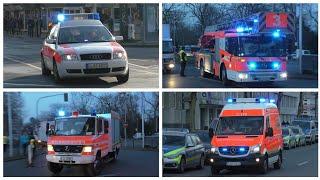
x,y
31,151
183,61
24,140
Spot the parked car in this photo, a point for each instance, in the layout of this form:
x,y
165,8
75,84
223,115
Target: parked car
x,y
182,150
300,137
309,129
288,138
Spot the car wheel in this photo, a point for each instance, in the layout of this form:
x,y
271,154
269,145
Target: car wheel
x,y
123,78
224,77
44,70
56,75
264,166
55,168
277,165
182,165
201,163
214,171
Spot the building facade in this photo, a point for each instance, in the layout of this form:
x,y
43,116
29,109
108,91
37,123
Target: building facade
x,y
136,22
197,110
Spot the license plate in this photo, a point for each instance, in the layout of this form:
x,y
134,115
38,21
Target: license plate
x,y
66,158
233,163
97,65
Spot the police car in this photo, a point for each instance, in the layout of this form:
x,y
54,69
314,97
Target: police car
x,y
79,45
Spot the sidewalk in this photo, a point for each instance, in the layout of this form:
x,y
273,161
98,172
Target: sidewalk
x,y
293,72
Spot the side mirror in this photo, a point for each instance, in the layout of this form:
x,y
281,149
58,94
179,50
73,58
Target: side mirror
x,y
51,41
211,134
118,38
269,132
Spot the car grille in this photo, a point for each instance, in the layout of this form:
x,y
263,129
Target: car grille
x,y
68,148
233,150
95,57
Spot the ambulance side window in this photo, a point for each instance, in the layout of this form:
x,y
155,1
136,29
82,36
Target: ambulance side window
x,y
99,126
106,127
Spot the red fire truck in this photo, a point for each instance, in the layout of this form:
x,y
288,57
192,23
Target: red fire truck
x,y
252,49
83,140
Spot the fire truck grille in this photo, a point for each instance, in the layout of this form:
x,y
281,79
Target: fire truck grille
x,y
68,148
264,65
94,57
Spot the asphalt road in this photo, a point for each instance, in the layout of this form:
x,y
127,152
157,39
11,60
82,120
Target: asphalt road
x,y
194,80
298,162
22,68
130,163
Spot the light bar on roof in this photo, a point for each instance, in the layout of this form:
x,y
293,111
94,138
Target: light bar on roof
x,y
78,16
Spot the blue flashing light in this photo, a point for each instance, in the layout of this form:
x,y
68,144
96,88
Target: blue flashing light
x,y
242,149
60,17
252,65
272,101
255,20
240,29
276,65
276,33
230,100
262,100
93,113
224,149
61,113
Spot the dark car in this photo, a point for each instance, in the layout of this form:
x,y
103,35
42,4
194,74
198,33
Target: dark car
x,y
182,150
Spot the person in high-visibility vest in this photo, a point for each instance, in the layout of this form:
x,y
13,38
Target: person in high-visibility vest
x,y
31,149
183,61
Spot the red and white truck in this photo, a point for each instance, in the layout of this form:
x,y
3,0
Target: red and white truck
x,y
86,140
252,49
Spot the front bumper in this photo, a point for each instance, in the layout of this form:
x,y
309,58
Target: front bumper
x,y
79,68
264,76
171,163
74,159
236,162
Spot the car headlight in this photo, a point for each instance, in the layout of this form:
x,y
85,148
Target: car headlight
x,y
255,149
50,148
214,150
70,57
120,55
87,149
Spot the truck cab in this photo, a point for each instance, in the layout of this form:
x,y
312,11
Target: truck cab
x,y
88,140
248,135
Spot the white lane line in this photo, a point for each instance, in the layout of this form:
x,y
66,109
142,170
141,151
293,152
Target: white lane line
x,y
18,84
303,163
28,64
144,67
141,70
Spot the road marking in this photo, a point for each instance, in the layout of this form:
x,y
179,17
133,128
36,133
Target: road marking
x,y
303,163
28,64
144,67
18,84
143,71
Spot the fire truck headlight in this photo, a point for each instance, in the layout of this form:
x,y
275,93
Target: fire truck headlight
x,y
70,57
284,75
243,76
50,148
87,149
120,55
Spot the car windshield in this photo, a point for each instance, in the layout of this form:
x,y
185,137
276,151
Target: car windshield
x,y
167,47
245,125
285,132
302,124
80,126
204,136
257,46
173,140
295,131
84,34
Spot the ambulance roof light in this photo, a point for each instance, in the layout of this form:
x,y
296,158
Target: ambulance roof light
x,y
61,113
60,17
272,101
240,29
255,20
262,100
93,113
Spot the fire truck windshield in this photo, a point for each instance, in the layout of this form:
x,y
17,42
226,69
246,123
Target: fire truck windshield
x,y
257,46
79,126
84,34
244,125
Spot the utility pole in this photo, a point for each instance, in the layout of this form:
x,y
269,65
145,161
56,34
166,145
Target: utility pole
x,y
10,125
300,39
142,119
